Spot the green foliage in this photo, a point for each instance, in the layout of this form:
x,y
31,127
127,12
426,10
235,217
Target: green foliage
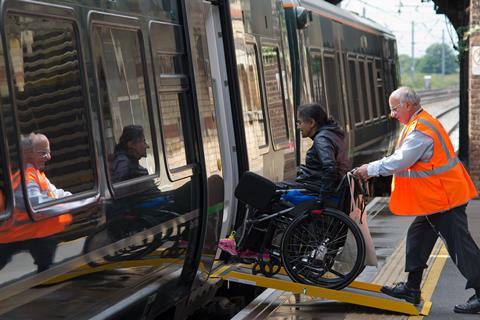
x,y
431,62
438,81
405,63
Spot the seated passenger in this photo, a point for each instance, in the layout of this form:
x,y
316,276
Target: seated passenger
x,y
20,233
130,149
326,163
36,150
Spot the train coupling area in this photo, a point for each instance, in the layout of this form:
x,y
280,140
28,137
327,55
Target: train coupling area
x,y
357,293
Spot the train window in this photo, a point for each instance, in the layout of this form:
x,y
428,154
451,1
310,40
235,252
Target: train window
x,y
331,87
373,94
171,71
274,92
316,71
51,107
363,84
383,104
252,105
126,123
356,103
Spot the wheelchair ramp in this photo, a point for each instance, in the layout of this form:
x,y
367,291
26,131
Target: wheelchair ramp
x,y
358,293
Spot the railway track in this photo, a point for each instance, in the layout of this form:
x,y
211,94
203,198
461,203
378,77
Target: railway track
x,y
432,96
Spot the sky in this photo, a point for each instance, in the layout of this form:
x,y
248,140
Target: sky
x,y
397,16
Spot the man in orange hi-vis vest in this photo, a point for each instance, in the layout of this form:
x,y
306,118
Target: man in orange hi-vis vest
x,y
20,232
429,182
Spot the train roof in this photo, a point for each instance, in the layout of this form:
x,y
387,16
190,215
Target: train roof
x,y
324,8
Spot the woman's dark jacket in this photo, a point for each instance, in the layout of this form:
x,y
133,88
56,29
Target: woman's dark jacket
x,y
326,161
125,167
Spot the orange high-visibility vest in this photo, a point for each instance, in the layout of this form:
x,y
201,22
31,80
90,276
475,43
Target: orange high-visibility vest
x,y
434,186
20,227
38,177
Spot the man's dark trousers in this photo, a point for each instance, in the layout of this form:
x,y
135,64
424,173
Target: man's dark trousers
x,y
452,227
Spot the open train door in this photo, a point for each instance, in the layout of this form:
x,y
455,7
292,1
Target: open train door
x,y
211,88
223,109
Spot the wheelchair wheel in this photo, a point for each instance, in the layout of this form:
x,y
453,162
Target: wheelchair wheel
x,y
105,237
314,246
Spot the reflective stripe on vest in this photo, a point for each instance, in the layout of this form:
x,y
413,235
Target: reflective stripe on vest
x,y
452,161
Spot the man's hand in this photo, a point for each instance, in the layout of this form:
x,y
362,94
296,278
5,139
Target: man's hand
x,y
362,172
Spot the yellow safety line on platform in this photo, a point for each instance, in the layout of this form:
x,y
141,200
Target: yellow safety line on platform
x,y
432,280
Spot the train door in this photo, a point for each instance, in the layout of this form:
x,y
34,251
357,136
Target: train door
x,y
197,14
222,109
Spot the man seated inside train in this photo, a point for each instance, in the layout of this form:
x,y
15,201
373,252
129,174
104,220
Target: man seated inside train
x,y
131,147
20,233
36,151
326,163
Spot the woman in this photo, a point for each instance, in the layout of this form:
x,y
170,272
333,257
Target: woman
x,y
130,149
326,163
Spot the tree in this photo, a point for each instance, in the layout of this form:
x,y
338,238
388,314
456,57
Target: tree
x,y
431,62
405,63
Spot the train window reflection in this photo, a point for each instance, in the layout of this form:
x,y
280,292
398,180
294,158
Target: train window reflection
x,y
171,71
253,111
316,70
373,94
274,92
51,108
354,92
126,123
383,103
363,84
331,88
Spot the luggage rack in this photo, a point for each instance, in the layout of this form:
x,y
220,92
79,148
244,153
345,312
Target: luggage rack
x,y
358,292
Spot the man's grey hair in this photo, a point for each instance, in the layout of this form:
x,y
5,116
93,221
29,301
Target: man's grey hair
x,y
27,141
407,94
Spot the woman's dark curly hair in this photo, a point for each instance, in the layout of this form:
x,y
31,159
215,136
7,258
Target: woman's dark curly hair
x,y
129,133
316,112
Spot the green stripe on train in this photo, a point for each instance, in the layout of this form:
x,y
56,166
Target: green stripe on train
x,y
216,208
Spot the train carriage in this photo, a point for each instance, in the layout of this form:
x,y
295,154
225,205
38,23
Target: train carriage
x,y
214,86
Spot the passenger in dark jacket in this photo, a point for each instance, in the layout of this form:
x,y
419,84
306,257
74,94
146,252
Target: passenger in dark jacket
x,y
130,149
326,161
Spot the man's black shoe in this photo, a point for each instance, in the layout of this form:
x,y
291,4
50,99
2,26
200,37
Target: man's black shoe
x,y
401,291
471,306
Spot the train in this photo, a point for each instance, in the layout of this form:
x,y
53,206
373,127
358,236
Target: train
x,y
213,85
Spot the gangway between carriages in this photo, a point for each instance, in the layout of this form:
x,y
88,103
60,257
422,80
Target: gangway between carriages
x,y
358,292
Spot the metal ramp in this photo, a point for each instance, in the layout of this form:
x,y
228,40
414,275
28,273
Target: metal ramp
x,y
358,293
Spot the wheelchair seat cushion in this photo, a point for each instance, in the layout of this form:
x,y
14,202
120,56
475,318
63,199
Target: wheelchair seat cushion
x,y
296,196
255,190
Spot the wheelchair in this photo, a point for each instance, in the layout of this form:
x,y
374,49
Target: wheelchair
x,y
316,243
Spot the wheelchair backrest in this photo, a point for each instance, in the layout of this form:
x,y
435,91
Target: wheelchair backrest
x,y
255,190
